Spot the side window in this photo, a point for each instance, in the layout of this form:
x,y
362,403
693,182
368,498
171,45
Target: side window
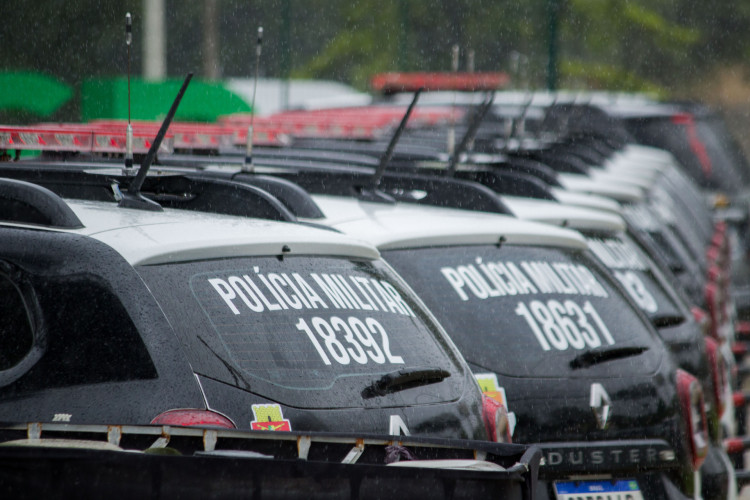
x,y
16,335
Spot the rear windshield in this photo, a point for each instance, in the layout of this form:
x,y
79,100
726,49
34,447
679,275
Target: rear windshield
x,y
635,273
529,311
306,331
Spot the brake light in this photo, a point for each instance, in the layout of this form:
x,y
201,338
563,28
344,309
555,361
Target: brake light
x,y
496,420
190,417
742,330
701,317
696,144
740,399
718,374
694,414
711,292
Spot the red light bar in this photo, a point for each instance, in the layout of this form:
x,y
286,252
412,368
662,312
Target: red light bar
x,y
75,138
366,122
263,135
314,126
192,136
390,83
29,138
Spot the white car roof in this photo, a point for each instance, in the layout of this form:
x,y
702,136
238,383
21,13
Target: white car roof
x,y
618,191
404,225
559,214
144,237
586,200
636,179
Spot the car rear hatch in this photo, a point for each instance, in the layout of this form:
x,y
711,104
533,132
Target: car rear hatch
x,y
316,343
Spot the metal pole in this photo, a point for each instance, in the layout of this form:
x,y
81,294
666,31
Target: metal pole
x,y
154,40
286,52
211,64
553,10
403,35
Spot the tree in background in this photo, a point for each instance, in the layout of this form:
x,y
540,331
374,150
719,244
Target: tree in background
x,y
627,45
624,44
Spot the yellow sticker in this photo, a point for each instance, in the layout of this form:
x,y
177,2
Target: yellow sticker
x,y
269,418
491,388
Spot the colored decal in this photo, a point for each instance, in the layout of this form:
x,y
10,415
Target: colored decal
x,y
491,388
269,418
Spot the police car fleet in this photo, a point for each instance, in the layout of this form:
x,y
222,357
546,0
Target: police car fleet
x,y
538,313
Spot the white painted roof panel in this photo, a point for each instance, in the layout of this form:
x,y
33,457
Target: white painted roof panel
x,y
402,225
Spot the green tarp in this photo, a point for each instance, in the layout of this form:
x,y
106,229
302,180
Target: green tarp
x,y
32,93
203,101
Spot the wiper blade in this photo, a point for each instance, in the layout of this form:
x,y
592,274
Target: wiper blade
x,y
600,355
665,320
405,379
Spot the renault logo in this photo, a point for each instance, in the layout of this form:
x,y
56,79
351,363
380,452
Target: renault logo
x,y
600,404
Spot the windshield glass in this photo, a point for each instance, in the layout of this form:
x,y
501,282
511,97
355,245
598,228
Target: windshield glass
x,y
527,311
300,326
635,273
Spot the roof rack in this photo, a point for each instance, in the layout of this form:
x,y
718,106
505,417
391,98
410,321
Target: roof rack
x,y
26,203
294,198
406,187
509,183
193,192
186,192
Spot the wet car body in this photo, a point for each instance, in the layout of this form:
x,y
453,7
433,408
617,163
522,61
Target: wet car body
x,y
669,314
105,322
547,405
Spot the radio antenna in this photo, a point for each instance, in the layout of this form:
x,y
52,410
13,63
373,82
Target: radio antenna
x,y
471,131
249,167
452,129
129,130
388,153
132,197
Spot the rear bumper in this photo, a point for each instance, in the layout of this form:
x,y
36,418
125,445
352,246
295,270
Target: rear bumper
x,y
651,462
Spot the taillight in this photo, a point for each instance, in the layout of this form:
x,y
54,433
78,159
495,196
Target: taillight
x,y
711,291
693,409
695,142
496,420
193,418
701,317
718,374
742,330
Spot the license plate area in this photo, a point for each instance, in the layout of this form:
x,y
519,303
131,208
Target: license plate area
x,y
604,489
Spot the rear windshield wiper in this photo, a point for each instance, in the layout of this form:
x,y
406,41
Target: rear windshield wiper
x,y
404,379
600,355
665,320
